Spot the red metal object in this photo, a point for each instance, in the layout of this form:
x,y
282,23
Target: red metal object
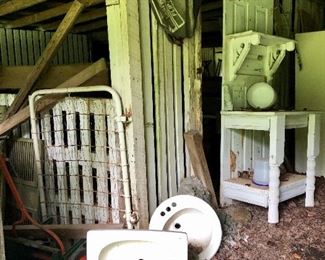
x,y
24,213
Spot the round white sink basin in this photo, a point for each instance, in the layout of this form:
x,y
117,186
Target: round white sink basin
x,y
189,214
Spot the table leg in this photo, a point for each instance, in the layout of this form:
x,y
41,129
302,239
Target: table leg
x,y
277,136
225,171
312,153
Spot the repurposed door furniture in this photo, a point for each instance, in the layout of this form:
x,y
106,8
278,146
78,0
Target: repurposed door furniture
x,y
275,123
252,54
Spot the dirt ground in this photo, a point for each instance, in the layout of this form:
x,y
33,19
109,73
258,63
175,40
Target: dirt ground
x,y
300,234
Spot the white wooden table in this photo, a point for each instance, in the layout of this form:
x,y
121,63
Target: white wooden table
x,y
233,187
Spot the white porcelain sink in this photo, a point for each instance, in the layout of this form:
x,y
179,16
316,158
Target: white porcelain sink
x,y
136,245
193,216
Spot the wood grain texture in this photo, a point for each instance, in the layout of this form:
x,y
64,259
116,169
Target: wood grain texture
x,y
45,59
53,77
47,102
15,5
74,231
193,141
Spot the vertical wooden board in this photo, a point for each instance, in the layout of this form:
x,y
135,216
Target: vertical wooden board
x,y
178,108
97,107
85,48
10,47
65,47
160,118
23,45
3,49
72,159
81,58
75,48
60,55
85,160
36,43
237,137
114,164
51,199
30,48
70,49
170,120
147,81
225,159
60,163
126,75
48,36
42,41
247,150
18,49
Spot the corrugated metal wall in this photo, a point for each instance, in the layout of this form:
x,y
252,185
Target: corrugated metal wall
x,y
23,47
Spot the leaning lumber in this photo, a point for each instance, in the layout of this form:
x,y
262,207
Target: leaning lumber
x,y
193,141
67,231
46,102
53,77
48,54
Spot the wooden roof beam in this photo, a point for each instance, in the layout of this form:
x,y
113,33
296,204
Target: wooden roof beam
x,y
46,102
16,5
45,59
90,26
46,14
84,17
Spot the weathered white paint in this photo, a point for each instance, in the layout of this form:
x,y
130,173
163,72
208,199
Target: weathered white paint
x,y
147,83
126,75
275,123
310,92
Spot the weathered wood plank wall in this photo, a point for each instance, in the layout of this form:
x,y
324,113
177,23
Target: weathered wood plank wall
x,y
23,47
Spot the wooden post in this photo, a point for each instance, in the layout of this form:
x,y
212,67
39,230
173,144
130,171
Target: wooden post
x,y
277,130
312,153
125,58
47,55
47,102
195,149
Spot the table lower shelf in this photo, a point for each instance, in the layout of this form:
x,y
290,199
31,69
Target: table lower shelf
x,y
243,189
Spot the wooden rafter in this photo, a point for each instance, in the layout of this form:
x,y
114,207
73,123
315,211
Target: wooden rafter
x,y
45,59
90,26
40,16
53,77
46,14
84,17
16,5
46,102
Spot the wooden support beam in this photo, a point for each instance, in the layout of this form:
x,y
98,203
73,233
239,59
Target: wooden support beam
x,y
84,17
90,26
125,60
40,16
45,59
53,77
75,231
193,141
46,14
46,102
12,6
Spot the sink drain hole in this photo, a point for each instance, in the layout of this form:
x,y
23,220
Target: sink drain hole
x,y
174,204
177,226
